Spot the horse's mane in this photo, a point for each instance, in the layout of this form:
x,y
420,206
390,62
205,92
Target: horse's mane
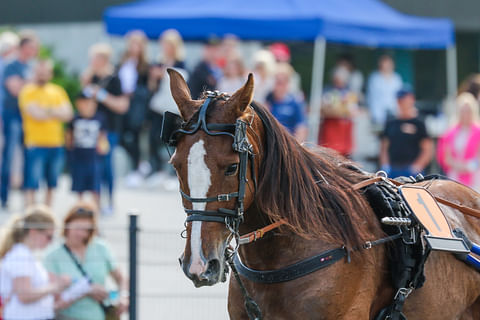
x,y
311,190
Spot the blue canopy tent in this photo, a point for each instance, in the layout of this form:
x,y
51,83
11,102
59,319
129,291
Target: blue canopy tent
x,y
358,22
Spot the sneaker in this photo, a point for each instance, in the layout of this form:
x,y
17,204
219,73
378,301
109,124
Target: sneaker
x,y
155,180
107,211
134,180
145,168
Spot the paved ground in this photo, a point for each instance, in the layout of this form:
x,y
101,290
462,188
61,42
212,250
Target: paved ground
x,y
164,291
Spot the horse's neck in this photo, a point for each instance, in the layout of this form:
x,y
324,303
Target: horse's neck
x,y
276,249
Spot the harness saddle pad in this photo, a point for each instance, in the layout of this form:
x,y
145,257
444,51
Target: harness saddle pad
x,y
427,211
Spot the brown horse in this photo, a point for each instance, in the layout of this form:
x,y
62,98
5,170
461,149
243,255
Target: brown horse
x,y
312,192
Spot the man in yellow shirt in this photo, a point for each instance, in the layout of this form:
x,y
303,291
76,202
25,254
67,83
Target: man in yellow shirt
x,y
44,107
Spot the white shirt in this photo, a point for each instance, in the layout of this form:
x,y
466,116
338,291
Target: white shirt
x,y
128,75
20,262
162,100
382,95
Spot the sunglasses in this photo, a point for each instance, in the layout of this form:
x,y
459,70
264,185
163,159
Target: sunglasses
x,y
48,235
84,212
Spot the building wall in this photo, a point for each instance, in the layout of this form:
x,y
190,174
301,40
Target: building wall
x,y
50,11
464,13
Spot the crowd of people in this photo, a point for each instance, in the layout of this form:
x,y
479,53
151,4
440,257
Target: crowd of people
x,y
122,103
70,282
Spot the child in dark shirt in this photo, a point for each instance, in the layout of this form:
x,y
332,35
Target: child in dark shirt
x,y
86,138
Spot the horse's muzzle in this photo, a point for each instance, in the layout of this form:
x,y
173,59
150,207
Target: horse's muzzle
x,y
208,276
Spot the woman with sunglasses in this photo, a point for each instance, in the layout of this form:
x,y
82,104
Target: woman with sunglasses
x,y
86,259
26,287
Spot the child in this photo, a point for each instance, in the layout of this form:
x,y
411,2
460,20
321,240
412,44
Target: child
x,y
87,140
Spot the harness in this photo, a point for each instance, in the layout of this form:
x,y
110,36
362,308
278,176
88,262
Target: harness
x,y
173,126
402,228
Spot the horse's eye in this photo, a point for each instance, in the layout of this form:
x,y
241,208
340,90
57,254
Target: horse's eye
x,y
231,169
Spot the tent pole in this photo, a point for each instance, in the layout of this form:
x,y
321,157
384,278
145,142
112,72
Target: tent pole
x,y
316,88
451,56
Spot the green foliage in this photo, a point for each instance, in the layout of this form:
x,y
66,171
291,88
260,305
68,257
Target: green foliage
x,y
69,81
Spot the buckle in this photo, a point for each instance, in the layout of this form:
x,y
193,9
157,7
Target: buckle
x,y
404,292
367,245
223,197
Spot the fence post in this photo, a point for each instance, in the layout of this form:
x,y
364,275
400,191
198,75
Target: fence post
x,y
133,230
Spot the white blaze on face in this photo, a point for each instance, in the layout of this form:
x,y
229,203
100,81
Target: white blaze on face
x,y
198,183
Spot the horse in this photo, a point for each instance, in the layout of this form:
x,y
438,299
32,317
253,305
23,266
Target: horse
x,y
310,192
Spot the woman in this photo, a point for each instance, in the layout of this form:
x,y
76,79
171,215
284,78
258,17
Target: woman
x,y
459,148
84,256
100,82
133,74
27,290
283,104
233,75
173,55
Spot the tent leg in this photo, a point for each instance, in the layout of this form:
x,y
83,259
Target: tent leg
x,y
452,71
316,88
451,62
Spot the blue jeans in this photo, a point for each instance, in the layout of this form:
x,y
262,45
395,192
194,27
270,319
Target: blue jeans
x,y
108,173
13,136
42,164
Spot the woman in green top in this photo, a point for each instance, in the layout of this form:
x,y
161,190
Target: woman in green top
x,y
85,258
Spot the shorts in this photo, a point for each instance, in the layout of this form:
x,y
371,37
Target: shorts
x,y
43,163
86,175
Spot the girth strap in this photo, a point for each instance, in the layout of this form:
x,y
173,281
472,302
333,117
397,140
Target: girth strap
x,y
293,271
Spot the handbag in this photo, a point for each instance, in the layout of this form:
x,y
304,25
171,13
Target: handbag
x,y
109,310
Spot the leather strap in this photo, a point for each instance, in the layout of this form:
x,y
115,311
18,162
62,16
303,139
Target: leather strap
x,y
293,271
465,210
257,234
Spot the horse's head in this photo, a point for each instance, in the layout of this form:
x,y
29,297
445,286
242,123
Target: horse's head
x,y
213,164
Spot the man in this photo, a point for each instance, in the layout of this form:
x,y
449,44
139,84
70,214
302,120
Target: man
x,y
381,90
406,149
14,78
206,74
44,107
8,48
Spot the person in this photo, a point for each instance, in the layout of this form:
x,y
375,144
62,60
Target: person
x,y
282,54
405,149
206,74
44,107
233,75
83,256
382,87
263,71
228,50
8,48
173,55
27,289
284,105
339,105
133,73
86,138
101,83
355,79
15,76
458,150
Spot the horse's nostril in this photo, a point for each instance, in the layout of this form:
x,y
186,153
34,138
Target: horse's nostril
x,y
213,268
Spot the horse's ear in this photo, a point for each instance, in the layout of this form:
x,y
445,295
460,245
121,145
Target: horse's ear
x,y
243,96
181,94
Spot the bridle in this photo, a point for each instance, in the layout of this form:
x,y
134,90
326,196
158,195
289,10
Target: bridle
x,y
173,126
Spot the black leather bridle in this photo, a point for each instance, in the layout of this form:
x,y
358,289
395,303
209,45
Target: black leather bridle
x,y
173,126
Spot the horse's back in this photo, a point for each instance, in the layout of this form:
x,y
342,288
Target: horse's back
x,y
449,281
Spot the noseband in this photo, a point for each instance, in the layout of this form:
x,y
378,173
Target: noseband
x,y
173,126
